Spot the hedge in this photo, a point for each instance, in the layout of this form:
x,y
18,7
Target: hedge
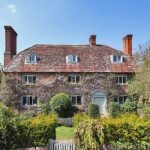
x,y
16,133
93,110
127,131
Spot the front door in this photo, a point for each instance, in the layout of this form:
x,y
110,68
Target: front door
x,y
99,99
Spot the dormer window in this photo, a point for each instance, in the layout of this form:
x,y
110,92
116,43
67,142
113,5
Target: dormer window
x,y
116,58
72,58
31,59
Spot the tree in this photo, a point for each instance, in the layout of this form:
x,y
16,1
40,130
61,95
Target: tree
x,y
140,84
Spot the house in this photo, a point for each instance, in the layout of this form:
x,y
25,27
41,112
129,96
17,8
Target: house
x,y
88,73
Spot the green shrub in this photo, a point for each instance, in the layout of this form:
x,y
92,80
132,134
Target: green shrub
x,y
93,110
61,104
45,108
114,110
79,117
130,106
125,132
89,135
146,111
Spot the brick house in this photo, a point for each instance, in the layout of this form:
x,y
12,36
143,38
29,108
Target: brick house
x,y
88,73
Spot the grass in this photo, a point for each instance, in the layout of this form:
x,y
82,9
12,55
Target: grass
x,y
64,133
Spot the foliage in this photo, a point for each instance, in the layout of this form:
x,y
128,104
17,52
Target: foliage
x,y
61,104
130,106
125,132
146,111
79,117
140,84
89,135
93,110
64,133
128,132
45,108
114,109
20,132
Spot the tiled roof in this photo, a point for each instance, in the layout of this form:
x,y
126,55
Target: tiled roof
x,y
52,58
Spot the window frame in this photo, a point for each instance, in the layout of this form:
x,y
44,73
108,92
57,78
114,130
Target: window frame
x,y
28,101
118,61
29,57
28,76
72,58
118,77
118,100
74,77
76,100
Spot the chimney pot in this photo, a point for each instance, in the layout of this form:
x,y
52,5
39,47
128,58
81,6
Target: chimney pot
x,y
92,40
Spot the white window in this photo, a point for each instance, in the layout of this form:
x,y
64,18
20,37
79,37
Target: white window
x,y
72,58
29,100
31,59
76,99
120,99
29,79
74,78
121,79
116,59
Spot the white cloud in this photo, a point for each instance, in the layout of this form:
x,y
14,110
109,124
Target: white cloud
x,y
12,8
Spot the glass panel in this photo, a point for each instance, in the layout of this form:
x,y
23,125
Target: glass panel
x,y
30,79
31,101
121,100
32,58
77,79
124,80
73,100
24,79
73,79
24,100
73,58
35,101
116,80
114,58
78,100
69,79
120,80
119,58
34,79
116,99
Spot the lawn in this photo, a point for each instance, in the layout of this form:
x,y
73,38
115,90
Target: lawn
x,y
64,133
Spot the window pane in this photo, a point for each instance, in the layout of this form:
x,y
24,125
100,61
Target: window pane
x,y
31,101
119,58
24,100
24,79
116,80
120,79
125,97
35,101
116,99
34,79
33,58
73,100
124,79
73,79
69,79
73,58
121,100
78,100
114,58
77,79
29,79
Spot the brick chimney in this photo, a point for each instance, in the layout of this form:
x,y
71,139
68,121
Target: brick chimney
x,y
127,44
92,40
10,44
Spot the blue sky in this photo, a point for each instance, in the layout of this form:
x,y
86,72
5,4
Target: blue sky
x,y
72,21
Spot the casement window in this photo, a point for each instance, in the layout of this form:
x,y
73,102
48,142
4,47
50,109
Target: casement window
x,y
120,99
72,58
116,59
121,79
29,79
74,78
76,99
29,100
31,59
